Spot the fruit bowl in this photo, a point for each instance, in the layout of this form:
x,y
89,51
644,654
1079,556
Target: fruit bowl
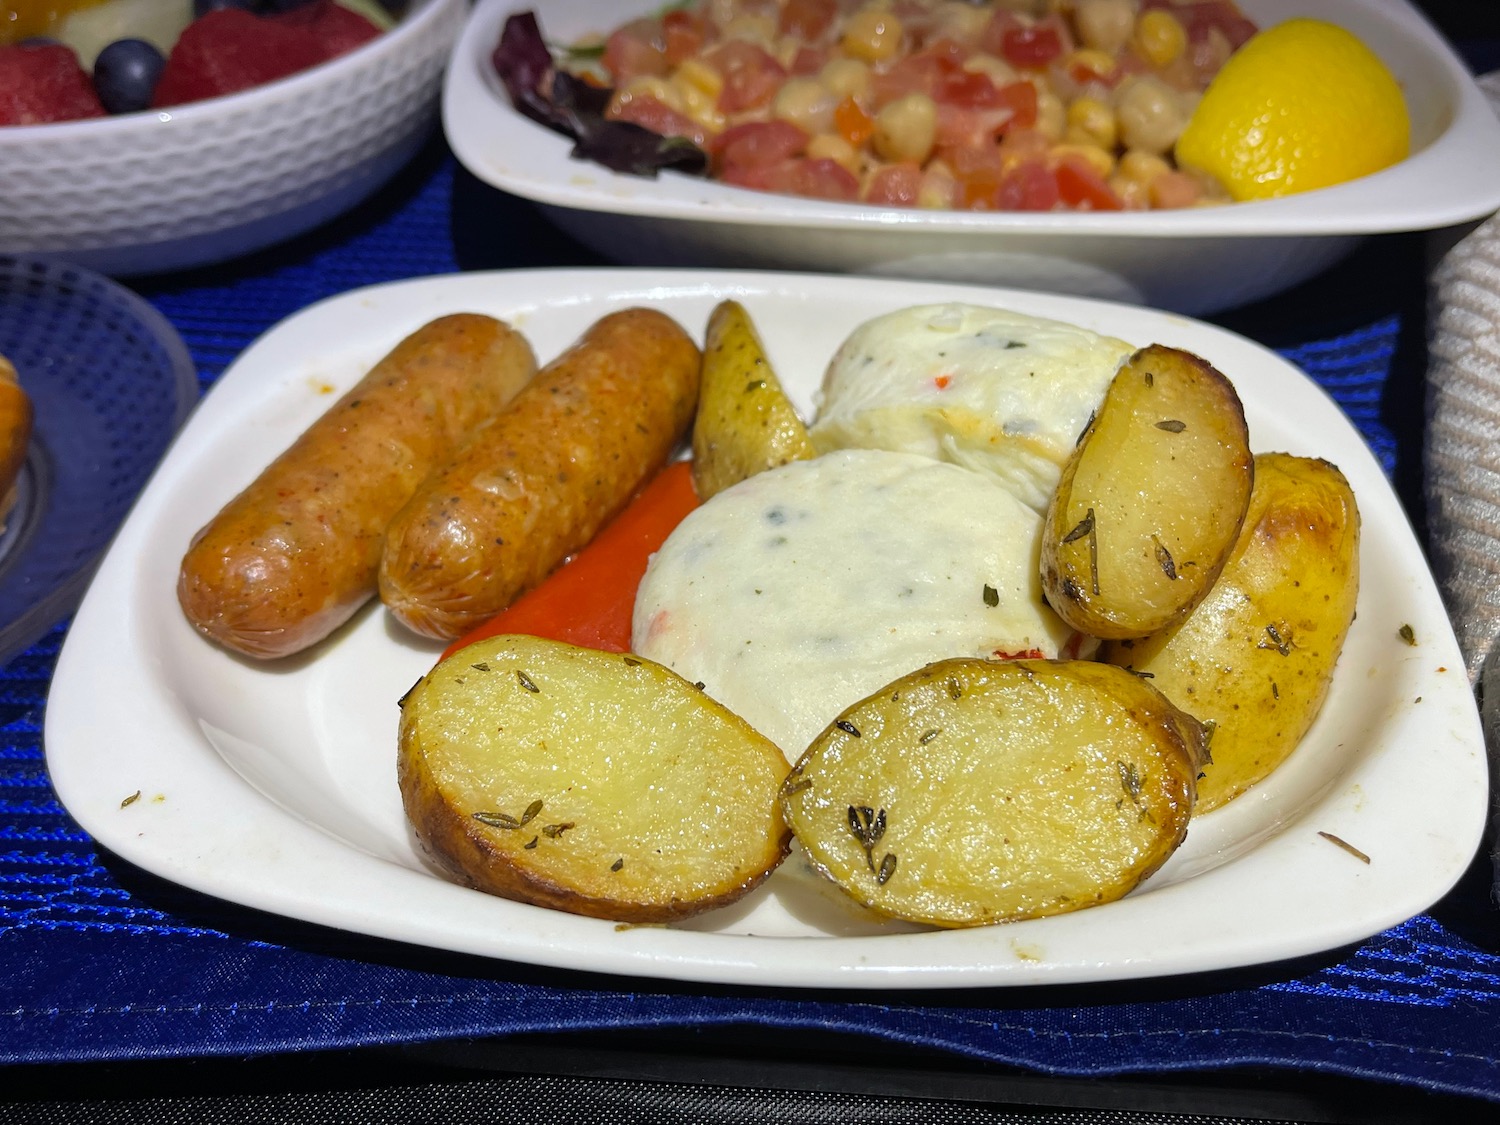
x,y
1197,261
200,183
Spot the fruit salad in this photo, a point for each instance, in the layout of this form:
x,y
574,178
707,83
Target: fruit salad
x,y
68,60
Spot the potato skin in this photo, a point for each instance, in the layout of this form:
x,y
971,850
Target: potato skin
x,y
634,796
976,791
1255,659
296,553
535,483
16,418
745,423
1151,499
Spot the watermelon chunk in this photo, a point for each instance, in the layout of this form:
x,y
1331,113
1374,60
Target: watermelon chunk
x,y
42,83
230,50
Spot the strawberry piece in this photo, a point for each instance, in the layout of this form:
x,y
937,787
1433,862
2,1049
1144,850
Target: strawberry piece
x,y
43,83
337,29
230,50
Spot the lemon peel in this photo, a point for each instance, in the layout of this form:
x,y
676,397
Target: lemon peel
x,y
1301,105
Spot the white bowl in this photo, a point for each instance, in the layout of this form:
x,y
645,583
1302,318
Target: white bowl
x,y
1196,261
199,183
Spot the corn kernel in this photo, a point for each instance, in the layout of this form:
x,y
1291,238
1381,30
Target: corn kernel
x,y
871,34
1093,122
1099,160
1090,59
831,146
652,86
695,72
848,78
1159,37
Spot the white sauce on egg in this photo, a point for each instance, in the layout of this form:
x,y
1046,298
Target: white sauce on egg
x,y
993,390
805,588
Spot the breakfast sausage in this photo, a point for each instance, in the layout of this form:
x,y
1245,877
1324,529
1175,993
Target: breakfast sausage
x,y
15,434
294,555
538,480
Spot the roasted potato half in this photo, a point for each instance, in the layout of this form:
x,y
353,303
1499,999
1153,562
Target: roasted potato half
x,y
1151,499
1255,659
597,783
975,791
745,422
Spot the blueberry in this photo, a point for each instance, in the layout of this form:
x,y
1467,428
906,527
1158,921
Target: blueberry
x,y
125,75
275,6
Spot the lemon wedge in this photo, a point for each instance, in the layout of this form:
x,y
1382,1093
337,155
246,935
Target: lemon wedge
x,y
1299,106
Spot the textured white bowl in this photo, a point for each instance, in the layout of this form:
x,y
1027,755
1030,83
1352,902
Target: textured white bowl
x,y
1196,261
199,183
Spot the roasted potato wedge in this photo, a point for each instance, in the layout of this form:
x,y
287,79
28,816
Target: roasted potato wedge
x,y
1151,499
745,422
975,791
597,783
1255,659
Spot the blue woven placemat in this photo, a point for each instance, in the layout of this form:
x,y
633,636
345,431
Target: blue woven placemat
x,y
99,960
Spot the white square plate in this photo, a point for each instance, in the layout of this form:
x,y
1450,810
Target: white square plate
x,y
273,785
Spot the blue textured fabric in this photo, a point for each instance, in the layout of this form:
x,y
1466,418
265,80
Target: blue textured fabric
x,y
101,961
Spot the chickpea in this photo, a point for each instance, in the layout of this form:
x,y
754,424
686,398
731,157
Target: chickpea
x,y
1142,167
1091,121
960,21
1151,114
939,189
1160,38
872,34
848,78
1105,24
1132,194
1051,116
806,103
906,128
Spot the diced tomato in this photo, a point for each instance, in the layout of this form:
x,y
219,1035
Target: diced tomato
x,y
758,144
682,35
853,123
807,18
816,179
1080,186
809,60
992,40
1174,189
965,88
1031,47
977,173
1029,186
895,185
635,49
751,75
1021,99
654,114
961,127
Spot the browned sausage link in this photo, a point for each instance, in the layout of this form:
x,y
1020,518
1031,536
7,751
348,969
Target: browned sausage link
x,y
15,433
539,480
296,553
